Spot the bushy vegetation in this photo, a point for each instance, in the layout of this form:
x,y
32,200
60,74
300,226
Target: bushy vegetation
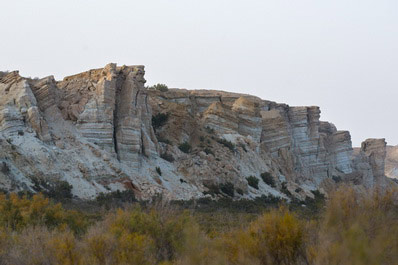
x,y
160,87
352,227
253,181
164,140
59,190
227,144
167,157
159,171
159,120
209,130
4,168
268,179
337,179
208,151
20,212
228,188
185,147
115,198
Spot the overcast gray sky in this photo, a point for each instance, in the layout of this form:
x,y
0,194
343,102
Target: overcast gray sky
x,y
338,54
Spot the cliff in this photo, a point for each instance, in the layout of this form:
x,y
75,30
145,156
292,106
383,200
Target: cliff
x,y
102,130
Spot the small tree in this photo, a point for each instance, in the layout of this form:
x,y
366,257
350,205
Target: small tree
x,y
160,87
159,120
185,147
253,181
159,171
268,179
228,188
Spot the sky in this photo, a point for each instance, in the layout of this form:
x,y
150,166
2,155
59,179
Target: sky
x,y
337,54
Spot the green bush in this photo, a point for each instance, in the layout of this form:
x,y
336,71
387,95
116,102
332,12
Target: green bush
x,y
160,87
185,147
4,168
159,120
208,151
58,190
167,157
227,144
159,171
253,181
337,179
209,130
228,188
213,189
239,191
116,198
164,140
268,179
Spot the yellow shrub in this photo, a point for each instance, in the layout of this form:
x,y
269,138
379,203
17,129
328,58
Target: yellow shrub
x,y
65,249
198,249
359,228
280,237
136,249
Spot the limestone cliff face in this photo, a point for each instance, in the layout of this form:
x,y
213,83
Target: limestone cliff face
x,y
95,131
391,165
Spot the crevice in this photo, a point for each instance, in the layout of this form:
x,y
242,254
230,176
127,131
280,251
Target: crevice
x,y
136,97
119,84
146,103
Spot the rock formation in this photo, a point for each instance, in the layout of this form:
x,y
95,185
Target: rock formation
x,y
391,165
95,130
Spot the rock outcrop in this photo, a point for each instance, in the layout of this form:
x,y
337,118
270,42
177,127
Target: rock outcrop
x,y
391,165
96,131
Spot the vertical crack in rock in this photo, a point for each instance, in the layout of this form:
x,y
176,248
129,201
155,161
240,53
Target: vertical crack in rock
x,y
119,83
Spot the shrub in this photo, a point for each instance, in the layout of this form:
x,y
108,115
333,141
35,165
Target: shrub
x,y
164,140
228,188
268,179
253,181
159,171
116,198
4,168
58,190
208,151
227,144
209,130
61,190
17,213
279,236
160,87
157,233
213,189
185,147
159,120
167,157
337,179
285,190
239,191
358,227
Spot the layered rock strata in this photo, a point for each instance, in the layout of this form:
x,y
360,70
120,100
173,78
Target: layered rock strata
x,y
95,131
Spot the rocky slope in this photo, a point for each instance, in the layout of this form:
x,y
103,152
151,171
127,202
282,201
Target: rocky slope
x,y
102,131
